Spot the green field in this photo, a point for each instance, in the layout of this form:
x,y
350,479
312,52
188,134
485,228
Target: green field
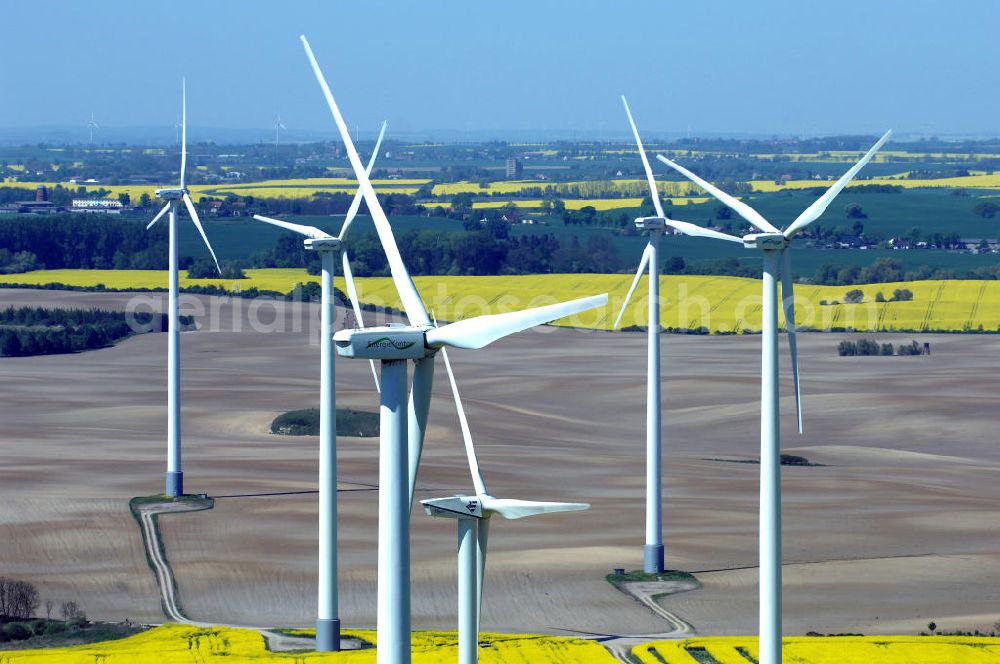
x,y
719,304
930,211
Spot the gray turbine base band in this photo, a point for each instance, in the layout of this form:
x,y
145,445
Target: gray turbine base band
x,y
653,558
175,482
328,635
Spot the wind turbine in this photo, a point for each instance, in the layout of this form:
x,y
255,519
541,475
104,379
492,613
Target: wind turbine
x,y
173,198
473,514
654,227
328,247
393,345
92,125
775,246
278,126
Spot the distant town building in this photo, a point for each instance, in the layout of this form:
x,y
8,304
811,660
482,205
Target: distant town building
x,y
98,205
514,168
41,204
31,207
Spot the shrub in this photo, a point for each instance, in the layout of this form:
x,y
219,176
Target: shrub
x,y
887,349
986,210
847,349
55,627
879,297
911,349
306,423
902,295
854,296
868,347
16,631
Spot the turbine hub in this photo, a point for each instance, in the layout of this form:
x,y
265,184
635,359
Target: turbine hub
x,y
390,342
765,241
174,194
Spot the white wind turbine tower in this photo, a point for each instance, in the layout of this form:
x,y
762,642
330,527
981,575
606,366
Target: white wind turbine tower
x,y
92,125
328,247
775,246
173,198
393,345
473,514
655,227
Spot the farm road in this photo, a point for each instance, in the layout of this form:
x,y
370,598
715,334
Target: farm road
x,y
168,588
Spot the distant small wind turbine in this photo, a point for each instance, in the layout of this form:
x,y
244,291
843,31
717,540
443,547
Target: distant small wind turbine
x,y
174,196
92,125
473,515
278,126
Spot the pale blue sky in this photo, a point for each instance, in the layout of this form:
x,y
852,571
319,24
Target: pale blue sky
x,y
771,66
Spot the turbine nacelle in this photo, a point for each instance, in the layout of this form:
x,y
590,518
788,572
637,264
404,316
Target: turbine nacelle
x,y
322,243
484,506
171,194
651,223
388,342
455,507
765,241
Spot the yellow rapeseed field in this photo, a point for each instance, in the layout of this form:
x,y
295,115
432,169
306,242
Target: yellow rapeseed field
x,y
832,650
577,203
720,304
980,181
183,644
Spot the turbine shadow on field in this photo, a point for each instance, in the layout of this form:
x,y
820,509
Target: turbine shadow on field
x,y
364,487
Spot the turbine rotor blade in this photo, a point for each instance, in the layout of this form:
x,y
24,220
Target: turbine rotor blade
x,y
818,207
158,216
788,303
483,330
697,231
412,303
511,508
470,448
352,292
653,192
308,231
737,205
643,263
358,195
197,223
184,115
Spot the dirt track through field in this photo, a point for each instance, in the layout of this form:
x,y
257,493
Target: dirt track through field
x,y
148,515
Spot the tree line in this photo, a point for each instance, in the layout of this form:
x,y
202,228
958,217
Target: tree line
x,y
870,348
26,331
85,242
